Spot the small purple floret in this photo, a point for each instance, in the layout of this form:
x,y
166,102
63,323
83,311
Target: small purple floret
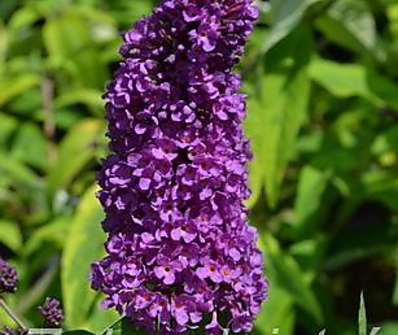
x,y
8,277
11,331
52,312
181,254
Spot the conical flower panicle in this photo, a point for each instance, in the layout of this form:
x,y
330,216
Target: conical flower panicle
x,y
181,254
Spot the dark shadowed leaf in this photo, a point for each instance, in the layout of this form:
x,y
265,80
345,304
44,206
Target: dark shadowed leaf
x,y
284,270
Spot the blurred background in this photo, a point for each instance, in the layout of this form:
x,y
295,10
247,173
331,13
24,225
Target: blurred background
x,y
322,83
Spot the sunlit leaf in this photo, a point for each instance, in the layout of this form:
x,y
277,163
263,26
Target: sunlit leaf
x,y
375,331
53,232
362,323
10,235
257,138
347,80
75,151
277,313
12,87
285,93
69,35
18,171
89,97
23,17
30,146
101,320
83,245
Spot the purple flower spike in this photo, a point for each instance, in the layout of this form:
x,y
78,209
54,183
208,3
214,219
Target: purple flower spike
x,y
51,312
180,250
8,277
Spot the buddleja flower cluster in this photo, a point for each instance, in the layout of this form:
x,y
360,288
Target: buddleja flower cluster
x,y
8,277
180,252
51,312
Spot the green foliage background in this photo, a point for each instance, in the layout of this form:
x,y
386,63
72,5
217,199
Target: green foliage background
x,y
321,78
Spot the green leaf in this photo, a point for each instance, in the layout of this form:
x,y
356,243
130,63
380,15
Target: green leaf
x,y
8,124
386,141
342,80
381,186
101,320
375,331
286,15
113,326
257,137
18,172
30,146
312,184
350,23
389,328
362,323
10,235
83,245
12,87
78,332
3,45
125,327
23,18
65,37
54,232
395,292
276,313
285,93
89,97
309,255
76,150
352,244
283,270
347,80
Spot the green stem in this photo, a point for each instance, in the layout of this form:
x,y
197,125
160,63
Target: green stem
x,y
11,313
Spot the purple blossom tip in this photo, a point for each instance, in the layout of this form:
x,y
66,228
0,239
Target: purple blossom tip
x,y
11,331
181,254
8,277
51,312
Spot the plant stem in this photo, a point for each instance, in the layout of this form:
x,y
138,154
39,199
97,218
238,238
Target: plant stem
x,y
11,313
47,89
